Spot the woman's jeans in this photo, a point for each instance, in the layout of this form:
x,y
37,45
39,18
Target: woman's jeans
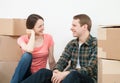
x,y
44,76
23,68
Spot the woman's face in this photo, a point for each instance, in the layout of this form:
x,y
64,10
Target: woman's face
x,y
39,27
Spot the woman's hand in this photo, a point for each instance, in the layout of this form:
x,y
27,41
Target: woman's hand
x,y
29,31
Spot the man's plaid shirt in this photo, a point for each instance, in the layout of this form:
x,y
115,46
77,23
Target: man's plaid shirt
x,y
87,53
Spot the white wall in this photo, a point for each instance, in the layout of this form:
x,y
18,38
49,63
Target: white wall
x,y
58,15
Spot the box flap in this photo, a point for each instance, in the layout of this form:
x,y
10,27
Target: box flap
x,y
110,26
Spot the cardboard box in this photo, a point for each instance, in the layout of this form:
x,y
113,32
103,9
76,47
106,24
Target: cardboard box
x,y
14,27
6,71
9,49
109,42
108,71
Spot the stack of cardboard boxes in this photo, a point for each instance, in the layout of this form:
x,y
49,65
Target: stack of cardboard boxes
x,y
109,54
10,52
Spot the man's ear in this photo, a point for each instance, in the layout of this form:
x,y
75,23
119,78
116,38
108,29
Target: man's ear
x,y
85,26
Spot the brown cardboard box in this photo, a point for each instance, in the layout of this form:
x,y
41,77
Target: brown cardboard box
x,y
12,26
108,71
6,71
109,42
9,49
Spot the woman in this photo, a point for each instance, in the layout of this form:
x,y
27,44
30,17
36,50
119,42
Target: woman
x,y
37,47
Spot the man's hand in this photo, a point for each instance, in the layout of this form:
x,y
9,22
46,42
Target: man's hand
x,y
59,76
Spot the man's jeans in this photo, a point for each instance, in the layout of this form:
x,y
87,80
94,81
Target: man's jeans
x,y
23,68
44,76
41,76
75,77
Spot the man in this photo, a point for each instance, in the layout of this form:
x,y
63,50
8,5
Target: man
x,y
80,52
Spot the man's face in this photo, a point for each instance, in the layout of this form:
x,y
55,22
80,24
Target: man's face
x,y
76,28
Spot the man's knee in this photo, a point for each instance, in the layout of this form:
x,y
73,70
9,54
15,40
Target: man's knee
x,y
44,71
74,73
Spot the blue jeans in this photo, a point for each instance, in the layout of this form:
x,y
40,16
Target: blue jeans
x,y
41,76
44,76
23,68
76,77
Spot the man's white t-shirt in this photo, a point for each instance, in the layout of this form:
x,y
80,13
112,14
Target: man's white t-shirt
x,y
78,61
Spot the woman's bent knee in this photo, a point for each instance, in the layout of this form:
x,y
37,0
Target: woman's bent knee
x,y
27,56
